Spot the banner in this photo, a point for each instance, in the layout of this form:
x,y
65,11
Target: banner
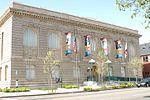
x,y
87,45
75,45
118,49
125,51
104,45
68,43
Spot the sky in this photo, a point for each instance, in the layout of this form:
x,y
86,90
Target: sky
x,y
100,10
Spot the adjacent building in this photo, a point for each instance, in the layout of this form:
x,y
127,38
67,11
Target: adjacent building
x,y
145,55
27,33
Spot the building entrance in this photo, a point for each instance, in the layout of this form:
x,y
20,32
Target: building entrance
x,y
92,73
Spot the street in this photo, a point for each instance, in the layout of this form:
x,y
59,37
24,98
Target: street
x,y
118,94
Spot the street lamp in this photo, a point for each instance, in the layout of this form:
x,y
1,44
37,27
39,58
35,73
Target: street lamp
x,y
108,62
91,61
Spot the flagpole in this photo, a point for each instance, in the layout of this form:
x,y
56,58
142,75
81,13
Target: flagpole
x,y
77,69
76,58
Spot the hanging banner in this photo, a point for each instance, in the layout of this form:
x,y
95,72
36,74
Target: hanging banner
x,y
118,49
126,51
87,45
104,45
75,45
68,43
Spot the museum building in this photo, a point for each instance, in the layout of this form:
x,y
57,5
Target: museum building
x,y
27,33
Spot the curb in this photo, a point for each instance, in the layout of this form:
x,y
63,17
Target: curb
x,y
58,93
40,94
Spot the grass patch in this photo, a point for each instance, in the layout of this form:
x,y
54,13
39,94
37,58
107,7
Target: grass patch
x,y
47,88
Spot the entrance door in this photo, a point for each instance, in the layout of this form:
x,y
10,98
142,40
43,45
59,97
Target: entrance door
x,y
92,74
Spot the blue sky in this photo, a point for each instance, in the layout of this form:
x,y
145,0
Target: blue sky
x,y
101,10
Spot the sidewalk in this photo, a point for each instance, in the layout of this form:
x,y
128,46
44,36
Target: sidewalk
x,y
40,92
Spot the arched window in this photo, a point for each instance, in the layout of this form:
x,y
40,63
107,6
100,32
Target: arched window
x,y
53,40
29,38
6,73
93,45
30,72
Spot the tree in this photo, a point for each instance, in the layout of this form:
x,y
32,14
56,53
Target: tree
x,y
49,63
137,64
138,7
101,59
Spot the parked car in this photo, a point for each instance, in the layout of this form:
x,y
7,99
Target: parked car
x,y
144,83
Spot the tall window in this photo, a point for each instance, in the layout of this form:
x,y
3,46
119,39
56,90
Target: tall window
x,y
0,73
1,44
75,43
132,51
56,72
93,45
118,45
53,40
111,71
30,72
29,38
123,71
76,72
6,73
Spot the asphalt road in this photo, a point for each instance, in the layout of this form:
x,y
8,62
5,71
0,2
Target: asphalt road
x,y
118,94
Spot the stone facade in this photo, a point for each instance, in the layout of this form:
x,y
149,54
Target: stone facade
x,y
15,56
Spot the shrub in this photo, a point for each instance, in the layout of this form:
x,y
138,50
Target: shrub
x,y
131,85
5,90
70,86
115,87
21,89
123,86
88,89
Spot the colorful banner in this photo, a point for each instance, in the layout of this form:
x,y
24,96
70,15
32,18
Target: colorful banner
x,y
104,45
87,45
68,43
75,45
118,49
125,51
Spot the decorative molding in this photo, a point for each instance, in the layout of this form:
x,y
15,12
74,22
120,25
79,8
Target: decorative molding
x,y
66,19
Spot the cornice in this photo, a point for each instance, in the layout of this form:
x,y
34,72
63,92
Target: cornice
x,y
7,14
70,20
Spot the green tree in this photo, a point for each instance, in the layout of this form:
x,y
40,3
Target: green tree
x,y
138,7
101,59
137,64
49,63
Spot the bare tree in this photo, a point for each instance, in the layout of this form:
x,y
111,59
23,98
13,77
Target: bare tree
x,y
137,64
49,63
101,59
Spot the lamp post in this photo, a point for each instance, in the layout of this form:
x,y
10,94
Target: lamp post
x,y
108,62
91,61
